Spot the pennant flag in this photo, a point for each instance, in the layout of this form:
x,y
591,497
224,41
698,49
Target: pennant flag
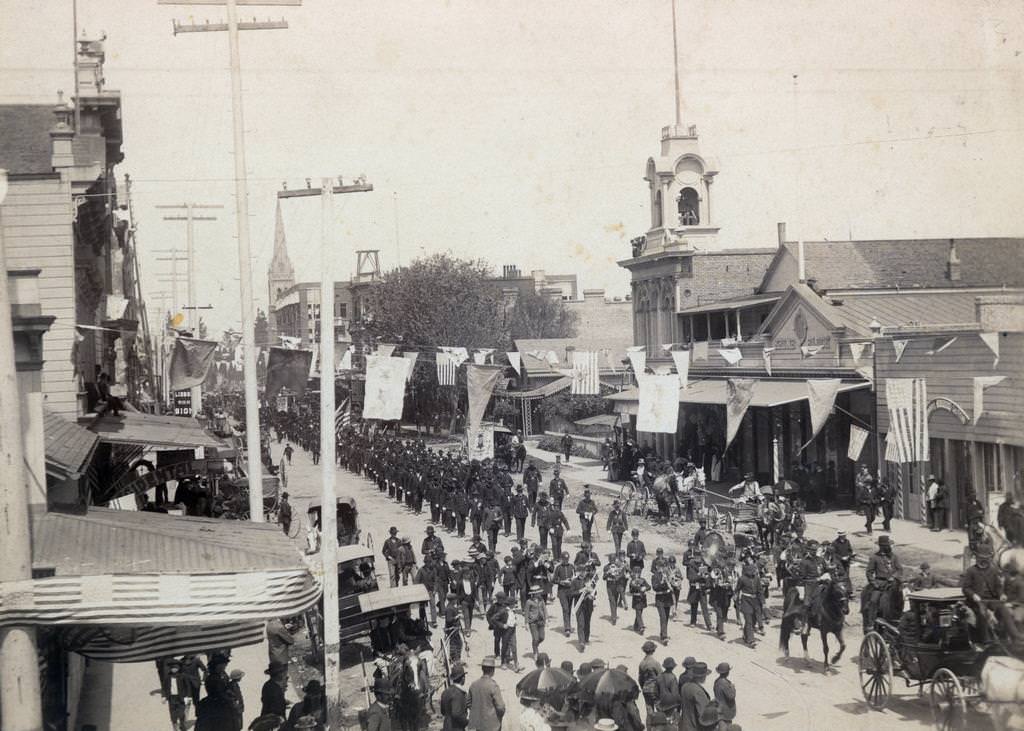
x,y
900,346
732,355
551,358
668,347
941,344
485,353
662,370
479,357
446,369
992,341
480,382
411,356
515,362
907,400
385,387
315,360
287,369
658,410
700,351
980,384
458,355
585,373
867,373
809,351
346,360
821,395
384,350
740,391
637,359
342,416
682,360
190,362
857,350
858,437
766,356
289,342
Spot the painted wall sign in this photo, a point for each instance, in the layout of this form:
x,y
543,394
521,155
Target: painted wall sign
x,y
948,405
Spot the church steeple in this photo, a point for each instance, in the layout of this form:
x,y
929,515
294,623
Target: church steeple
x,y
281,274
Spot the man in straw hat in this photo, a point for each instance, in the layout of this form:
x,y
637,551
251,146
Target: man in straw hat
x,y
606,724
455,701
486,706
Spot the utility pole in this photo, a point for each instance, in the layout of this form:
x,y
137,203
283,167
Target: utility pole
x,y
20,702
252,404
328,439
193,321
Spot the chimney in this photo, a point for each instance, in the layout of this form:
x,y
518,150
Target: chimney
x,y
953,263
781,226
801,269
89,68
589,294
62,135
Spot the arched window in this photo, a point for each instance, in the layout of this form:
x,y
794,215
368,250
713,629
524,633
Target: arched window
x,y
689,207
656,212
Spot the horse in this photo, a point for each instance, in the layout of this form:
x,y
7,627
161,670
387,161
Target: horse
x,y
825,611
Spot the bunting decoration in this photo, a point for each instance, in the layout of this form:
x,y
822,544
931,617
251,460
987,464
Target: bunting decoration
x,y
980,384
732,356
907,400
857,350
992,341
342,416
682,360
858,437
479,357
821,395
700,351
941,344
667,347
287,369
384,350
891,452
480,381
900,346
446,369
190,362
809,351
585,379
739,391
766,356
638,359
551,358
411,356
515,361
315,360
385,387
346,360
658,409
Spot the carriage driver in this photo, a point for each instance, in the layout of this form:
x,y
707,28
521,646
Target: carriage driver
x,y
982,585
883,568
749,487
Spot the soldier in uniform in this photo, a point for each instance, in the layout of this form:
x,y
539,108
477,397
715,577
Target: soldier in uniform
x,y
557,523
748,589
557,489
564,574
532,479
638,588
617,525
697,576
587,510
519,505
584,591
615,579
431,544
586,557
390,553
663,601
636,551
540,518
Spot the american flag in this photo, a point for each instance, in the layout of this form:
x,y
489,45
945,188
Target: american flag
x,y
585,373
907,399
342,416
446,369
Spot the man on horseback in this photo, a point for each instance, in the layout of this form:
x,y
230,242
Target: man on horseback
x,y
883,575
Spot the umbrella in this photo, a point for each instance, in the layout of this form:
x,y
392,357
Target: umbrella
x,y
607,685
543,682
786,487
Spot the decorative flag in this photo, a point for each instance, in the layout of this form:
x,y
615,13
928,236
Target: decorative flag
x,y
585,373
662,370
766,356
682,361
346,360
190,362
858,437
668,347
446,369
941,344
385,387
342,416
867,373
992,341
638,359
287,369
551,358
290,343
515,362
384,350
116,305
891,451
857,350
740,391
980,384
809,351
411,356
700,351
480,382
480,356
658,410
728,342
821,395
900,346
732,355
315,360
907,400
460,355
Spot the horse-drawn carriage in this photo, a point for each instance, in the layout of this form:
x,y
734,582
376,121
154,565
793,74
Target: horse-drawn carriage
x,y
234,495
932,646
638,496
347,523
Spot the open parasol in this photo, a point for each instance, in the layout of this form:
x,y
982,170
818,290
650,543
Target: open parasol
x,y
542,682
607,685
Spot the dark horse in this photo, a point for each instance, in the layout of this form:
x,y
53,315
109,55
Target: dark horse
x,y
825,611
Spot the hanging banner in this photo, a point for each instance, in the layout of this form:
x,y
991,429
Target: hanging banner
x,y
682,360
858,437
857,350
732,356
739,393
821,395
585,381
892,452
992,341
190,362
314,362
809,351
637,359
385,387
907,401
287,369
480,444
941,344
346,361
700,351
515,362
766,356
900,346
980,384
658,410
480,381
446,369
384,350
411,356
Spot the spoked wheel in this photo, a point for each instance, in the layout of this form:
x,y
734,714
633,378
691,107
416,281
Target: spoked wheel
x,y
729,523
946,695
293,530
712,515
875,671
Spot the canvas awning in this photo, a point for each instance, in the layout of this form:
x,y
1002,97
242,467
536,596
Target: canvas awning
x,y
150,430
767,393
138,644
114,568
548,389
69,447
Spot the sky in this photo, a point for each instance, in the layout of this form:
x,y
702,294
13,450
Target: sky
x,y
518,131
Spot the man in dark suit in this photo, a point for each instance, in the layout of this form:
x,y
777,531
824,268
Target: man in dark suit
x,y
272,694
455,701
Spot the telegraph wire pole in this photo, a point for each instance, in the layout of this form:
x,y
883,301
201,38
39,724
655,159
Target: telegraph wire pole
x,y
252,404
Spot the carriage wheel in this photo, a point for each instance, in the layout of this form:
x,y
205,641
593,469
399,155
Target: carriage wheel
x,y
946,696
369,540
296,526
643,501
711,513
875,671
730,523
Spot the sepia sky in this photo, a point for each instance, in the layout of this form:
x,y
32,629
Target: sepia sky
x,y
519,131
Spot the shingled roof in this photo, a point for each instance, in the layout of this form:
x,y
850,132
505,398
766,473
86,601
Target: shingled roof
x,y
25,145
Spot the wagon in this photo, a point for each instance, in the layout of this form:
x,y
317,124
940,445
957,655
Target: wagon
x,y
931,648
739,514
347,520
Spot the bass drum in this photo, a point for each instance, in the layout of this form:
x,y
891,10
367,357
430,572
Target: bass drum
x,y
713,546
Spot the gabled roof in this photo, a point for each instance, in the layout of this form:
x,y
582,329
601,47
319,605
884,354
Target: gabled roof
x,y
614,346
68,446
25,145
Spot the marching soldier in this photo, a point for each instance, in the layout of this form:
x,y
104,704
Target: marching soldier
x,y
748,587
617,525
586,557
532,479
636,551
519,506
615,580
557,489
697,575
587,510
564,574
663,601
584,591
540,518
638,588
557,524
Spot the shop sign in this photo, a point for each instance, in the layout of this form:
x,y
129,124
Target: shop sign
x,y
951,406
800,331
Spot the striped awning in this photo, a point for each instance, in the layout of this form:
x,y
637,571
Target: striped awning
x,y
138,644
548,389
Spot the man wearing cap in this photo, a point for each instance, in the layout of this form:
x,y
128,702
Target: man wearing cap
x,y
664,600
615,580
557,523
667,689
565,572
557,489
587,510
378,716
647,675
725,692
638,588
540,518
693,698
982,585
519,505
390,552
486,706
532,479
617,524
536,617
636,551
455,701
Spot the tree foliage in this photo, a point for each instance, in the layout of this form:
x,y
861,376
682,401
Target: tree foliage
x,y
261,329
537,316
572,408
